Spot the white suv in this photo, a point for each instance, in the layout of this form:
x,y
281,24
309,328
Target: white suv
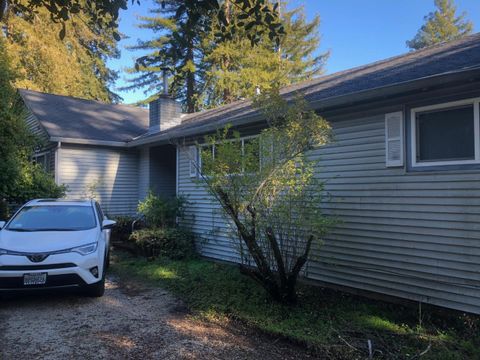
x,y
55,244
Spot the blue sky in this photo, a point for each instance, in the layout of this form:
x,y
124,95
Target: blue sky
x,y
355,32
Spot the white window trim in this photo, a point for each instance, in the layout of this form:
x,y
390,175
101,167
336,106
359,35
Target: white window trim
x,y
476,125
241,139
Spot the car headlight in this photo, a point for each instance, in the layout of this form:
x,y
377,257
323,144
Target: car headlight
x,y
86,249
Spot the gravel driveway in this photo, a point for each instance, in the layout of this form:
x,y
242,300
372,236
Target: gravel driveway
x,y
132,321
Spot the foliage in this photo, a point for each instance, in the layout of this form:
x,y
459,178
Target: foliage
x,y
274,201
74,66
208,72
20,180
122,229
179,46
329,321
236,70
258,15
441,25
13,132
174,243
35,182
103,13
161,212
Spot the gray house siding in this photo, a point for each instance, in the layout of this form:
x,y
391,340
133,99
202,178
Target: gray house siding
x,y
143,172
34,126
411,235
109,175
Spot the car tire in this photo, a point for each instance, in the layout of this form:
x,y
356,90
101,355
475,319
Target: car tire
x,y
97,289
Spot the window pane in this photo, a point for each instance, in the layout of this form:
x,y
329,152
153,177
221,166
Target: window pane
x,y
251,155
446,135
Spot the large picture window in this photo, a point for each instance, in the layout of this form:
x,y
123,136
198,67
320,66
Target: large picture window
x,y
446,134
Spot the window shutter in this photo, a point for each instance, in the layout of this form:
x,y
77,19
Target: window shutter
x,y
394,139
193,158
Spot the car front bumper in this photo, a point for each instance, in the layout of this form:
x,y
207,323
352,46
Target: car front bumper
x,y
63,270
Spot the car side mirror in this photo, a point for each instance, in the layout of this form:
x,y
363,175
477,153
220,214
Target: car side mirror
x,y
2,224
108,224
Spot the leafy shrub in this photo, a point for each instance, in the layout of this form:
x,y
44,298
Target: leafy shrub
x,y
174,243
35,182
123,229
161,212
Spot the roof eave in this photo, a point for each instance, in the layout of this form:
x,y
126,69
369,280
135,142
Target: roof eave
x,y
318,105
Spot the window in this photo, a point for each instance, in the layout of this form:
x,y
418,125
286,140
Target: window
x,y
99,212
446,134
250,150
41,159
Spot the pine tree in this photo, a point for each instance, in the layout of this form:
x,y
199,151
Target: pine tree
x,y
237,69
219,72
178,48
441,25
74,66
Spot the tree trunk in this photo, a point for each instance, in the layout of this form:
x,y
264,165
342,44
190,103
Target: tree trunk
x,y
191,103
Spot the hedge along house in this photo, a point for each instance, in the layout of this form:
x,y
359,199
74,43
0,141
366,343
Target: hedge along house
x,y
404,171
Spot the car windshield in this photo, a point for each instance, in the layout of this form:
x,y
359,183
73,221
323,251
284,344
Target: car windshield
x,y
53,218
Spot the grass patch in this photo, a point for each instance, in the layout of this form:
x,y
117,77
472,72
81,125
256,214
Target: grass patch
x,y
325,320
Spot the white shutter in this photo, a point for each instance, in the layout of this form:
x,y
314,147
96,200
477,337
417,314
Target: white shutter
x,y
193,158
394,139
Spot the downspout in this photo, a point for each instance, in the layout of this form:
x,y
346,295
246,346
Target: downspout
x,y
57,162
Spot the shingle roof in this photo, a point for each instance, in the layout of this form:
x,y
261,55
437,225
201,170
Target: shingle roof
x,y
69,117
433,61
76,118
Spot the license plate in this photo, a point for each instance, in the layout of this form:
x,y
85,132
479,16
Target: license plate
x,y
35,279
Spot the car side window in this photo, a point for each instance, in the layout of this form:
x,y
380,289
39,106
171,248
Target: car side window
x,y
99,212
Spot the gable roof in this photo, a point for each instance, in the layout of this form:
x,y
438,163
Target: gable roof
x,y
74,118
67,117
399,72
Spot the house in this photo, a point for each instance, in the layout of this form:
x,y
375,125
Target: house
x,y
404,171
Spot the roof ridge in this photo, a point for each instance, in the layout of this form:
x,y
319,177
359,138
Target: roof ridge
x,y
379,62
82,99
301,84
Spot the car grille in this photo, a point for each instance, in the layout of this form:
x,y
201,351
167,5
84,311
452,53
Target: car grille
x,y
36,267
10,283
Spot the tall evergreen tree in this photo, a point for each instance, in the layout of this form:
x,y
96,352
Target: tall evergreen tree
x,y
236,69
177,47
223,71
74,66
441,25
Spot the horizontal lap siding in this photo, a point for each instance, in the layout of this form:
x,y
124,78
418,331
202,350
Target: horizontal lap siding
x,y
404,234
411,235
115,172
204,217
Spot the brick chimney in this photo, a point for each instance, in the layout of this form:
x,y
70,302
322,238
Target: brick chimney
x,y
165,112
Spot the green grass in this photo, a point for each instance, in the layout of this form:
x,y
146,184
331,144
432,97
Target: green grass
x,y
325,320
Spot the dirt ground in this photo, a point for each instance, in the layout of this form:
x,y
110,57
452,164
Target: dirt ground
x,y
132,321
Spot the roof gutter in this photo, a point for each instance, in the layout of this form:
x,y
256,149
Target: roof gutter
x,y
318,105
